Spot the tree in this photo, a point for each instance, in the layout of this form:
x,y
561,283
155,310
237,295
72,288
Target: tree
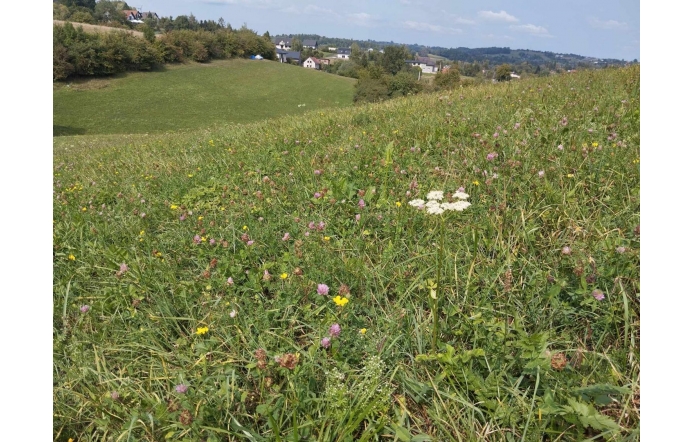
x,y
393,58
355,51
297,44
503,72
148,33
108,11
267,36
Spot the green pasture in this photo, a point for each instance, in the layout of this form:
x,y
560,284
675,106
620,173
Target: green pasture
x,y
193,96
190,268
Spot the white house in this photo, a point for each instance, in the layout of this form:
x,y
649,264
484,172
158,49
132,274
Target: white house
x,y
427,65
344,53
312,63
332,49
283,43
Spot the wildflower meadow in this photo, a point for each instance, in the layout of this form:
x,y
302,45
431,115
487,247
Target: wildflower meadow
x,y
448,267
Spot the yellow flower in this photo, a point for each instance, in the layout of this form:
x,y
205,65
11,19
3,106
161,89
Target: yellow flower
x,y
594,144
284,276
635,161
200,218
570,175
190,175
205,238
476,183
340,301
363,330
398,204
326,238
71,257
173,207
142,233
244,228
84,209
201,330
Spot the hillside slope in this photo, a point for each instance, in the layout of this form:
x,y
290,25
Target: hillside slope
x,y
191,96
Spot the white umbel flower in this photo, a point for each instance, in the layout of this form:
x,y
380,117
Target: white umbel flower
x,y
417,203
458,206
435,195
460,195
435,209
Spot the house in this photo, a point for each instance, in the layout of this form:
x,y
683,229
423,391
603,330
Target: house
x,y
283,43
332,49
288,56
312,63
133,15
150,14
325,61
515,75
310,44
344,53
427,65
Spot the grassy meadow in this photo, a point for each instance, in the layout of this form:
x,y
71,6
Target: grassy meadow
x,y
194,96
272,282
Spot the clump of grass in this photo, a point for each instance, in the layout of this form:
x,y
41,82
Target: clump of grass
x,y
199,256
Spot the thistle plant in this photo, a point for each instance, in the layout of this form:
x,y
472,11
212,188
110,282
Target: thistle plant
x,y
434,206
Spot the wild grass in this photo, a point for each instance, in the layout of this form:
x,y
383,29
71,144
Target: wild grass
x,y
194,96
149,229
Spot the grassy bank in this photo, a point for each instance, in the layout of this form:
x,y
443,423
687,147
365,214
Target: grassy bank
x,y
193,96
189,270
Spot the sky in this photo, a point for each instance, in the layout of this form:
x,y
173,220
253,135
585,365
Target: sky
x,y
593,28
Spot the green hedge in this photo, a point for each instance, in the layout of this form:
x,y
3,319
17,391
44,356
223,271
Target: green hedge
x,y
77,53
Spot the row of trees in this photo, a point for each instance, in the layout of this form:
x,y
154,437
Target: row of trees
x,y
77,53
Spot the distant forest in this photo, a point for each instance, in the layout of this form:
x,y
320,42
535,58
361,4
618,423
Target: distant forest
x,y
493,55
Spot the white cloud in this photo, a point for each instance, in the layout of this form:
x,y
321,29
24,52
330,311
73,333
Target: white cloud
x,y
501,16
361,19
317,10
262,4
428,27
608,24
464,21
537,31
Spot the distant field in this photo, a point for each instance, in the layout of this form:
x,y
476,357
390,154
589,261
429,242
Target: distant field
x,y
96,28
192,96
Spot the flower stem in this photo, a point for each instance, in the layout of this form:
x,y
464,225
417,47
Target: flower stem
x,y
435,305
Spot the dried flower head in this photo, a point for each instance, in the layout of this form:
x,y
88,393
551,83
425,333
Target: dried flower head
x,y
288,360
186,418
558,361
566,250
261,357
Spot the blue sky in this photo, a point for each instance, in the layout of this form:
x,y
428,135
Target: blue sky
x,y
598,28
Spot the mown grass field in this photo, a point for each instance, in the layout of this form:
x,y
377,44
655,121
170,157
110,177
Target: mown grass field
x,y
189,270
194,96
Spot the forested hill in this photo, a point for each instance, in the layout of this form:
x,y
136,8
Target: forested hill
x,y
494,55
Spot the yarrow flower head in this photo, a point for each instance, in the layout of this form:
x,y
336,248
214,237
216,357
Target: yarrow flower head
x,y
322,289
435,195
